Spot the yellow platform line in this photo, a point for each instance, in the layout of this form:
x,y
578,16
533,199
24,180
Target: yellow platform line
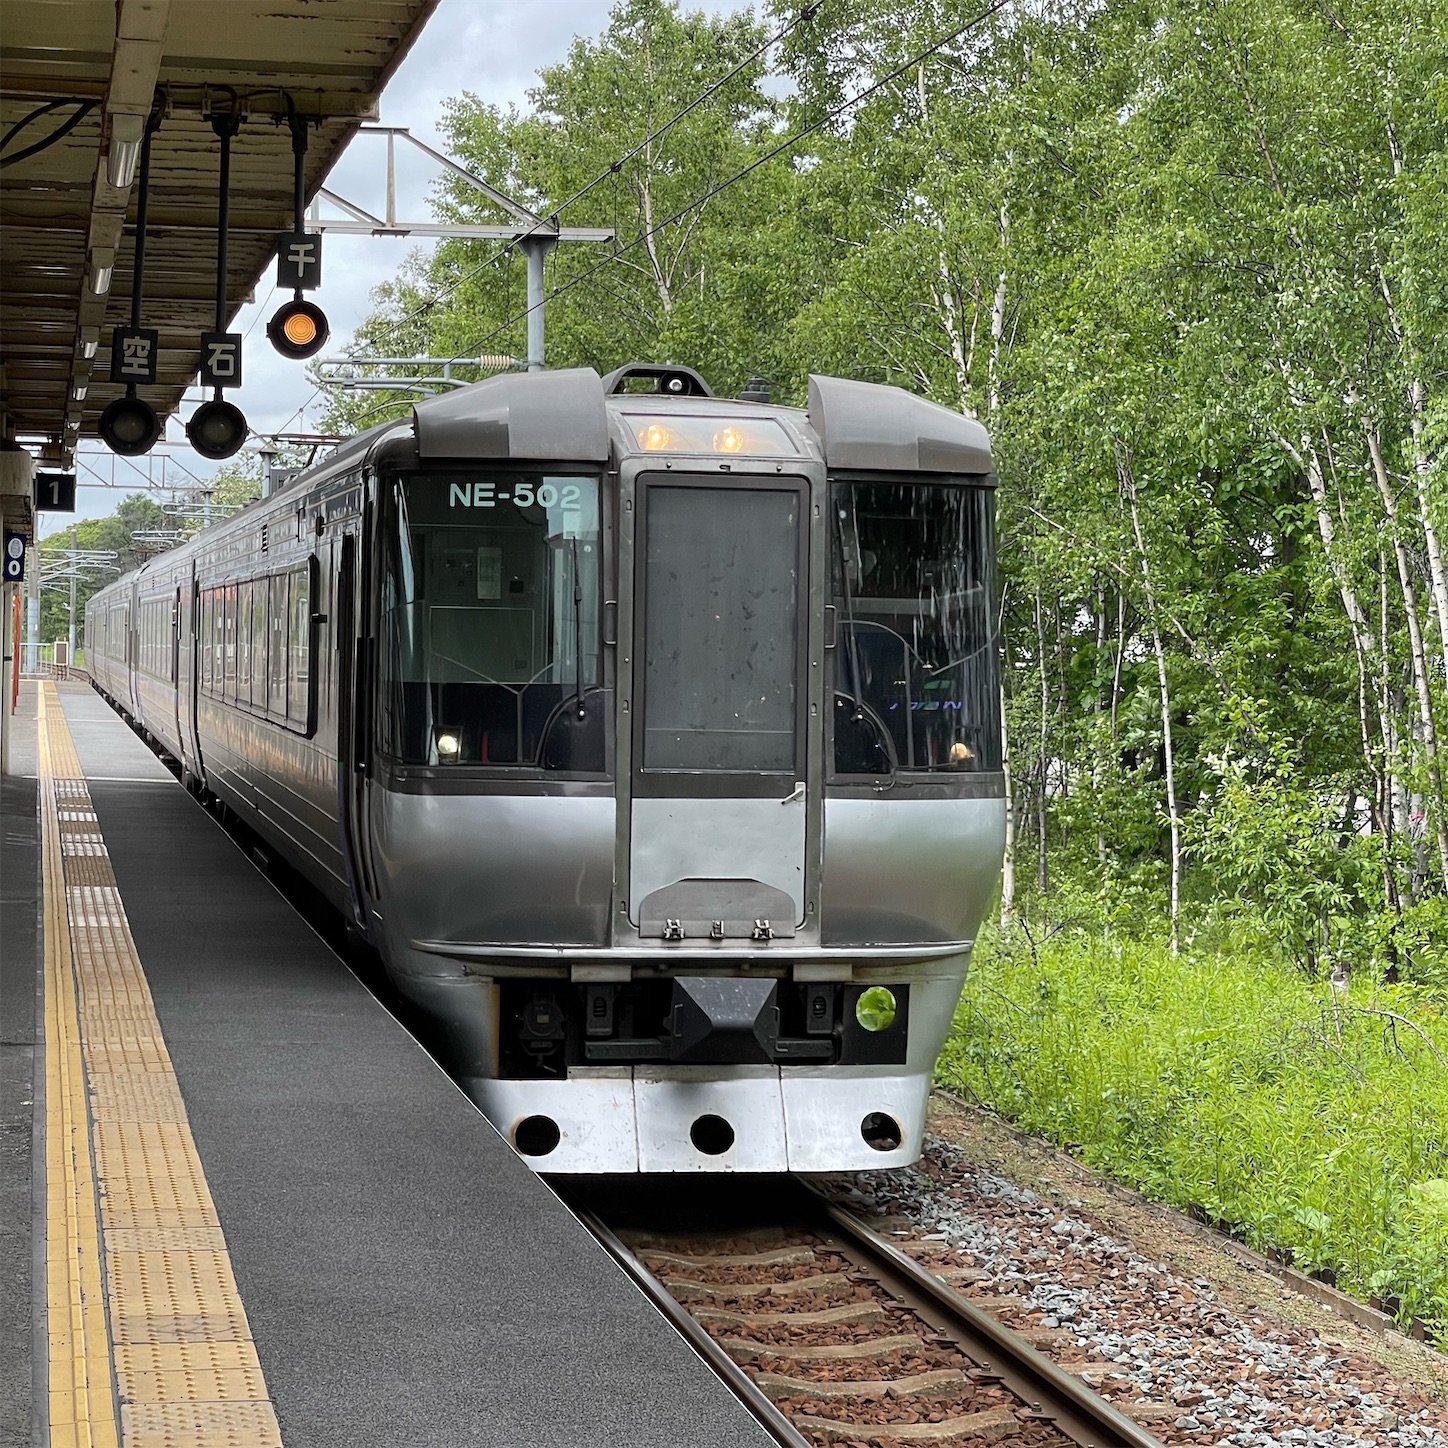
x,y
149,1342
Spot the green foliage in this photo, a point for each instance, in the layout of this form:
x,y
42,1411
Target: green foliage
x,y
1225,1082
1187,263
136,513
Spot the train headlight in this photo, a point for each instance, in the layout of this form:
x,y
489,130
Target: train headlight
x,y
875,1009
448,747
729,440
655,437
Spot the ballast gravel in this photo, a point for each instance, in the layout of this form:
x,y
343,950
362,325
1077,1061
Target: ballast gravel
x,y
1166,1351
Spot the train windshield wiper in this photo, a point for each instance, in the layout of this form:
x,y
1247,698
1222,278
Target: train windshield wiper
x,y
853,649
578,633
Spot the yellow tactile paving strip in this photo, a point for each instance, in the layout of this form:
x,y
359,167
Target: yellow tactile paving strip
x,y
149,1343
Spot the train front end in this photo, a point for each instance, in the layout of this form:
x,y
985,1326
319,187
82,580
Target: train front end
x,y
690,798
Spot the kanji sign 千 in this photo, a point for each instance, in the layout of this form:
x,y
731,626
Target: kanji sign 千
x,y
299,260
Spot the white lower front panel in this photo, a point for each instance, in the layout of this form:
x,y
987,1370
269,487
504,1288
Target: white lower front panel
x,y
749,1107
595,1119
825,1115
639,1119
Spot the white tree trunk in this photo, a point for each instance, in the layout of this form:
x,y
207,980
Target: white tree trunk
x,y
1426,725
1174,813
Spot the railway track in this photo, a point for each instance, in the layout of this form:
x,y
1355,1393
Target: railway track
x,y
833,1335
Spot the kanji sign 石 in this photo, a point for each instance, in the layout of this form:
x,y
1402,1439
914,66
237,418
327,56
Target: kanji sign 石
x,y
133,354
221,359
299,260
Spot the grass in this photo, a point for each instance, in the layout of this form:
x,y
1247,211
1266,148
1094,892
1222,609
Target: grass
x,y
1231,1085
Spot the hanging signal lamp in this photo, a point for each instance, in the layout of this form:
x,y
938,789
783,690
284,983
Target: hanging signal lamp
x,y
217,428
129,426
299,328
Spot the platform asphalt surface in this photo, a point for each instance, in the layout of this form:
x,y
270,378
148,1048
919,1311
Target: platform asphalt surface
x,y
21,1078
409,1282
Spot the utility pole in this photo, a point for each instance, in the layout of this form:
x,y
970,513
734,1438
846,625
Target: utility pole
x,y
535,248
70,652
32,611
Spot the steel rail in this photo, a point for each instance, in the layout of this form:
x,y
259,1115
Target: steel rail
x,y
770,1418
1053,1394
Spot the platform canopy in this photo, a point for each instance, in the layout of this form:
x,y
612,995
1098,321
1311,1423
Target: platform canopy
x,y
103,64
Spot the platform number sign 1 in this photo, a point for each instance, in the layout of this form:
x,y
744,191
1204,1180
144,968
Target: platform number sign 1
x,y
14,557
55,492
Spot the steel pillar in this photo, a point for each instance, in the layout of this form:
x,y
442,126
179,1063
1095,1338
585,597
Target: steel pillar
x,y
535,248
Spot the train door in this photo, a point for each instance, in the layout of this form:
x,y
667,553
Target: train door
x,y
352,726
178,678
719,828
190,633
133,654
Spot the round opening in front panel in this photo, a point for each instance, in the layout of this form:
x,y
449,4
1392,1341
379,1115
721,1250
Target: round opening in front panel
x,y
536,1135
712,1135
881,1132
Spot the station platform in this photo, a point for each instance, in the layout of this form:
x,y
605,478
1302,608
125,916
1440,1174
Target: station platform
x,y
245,1205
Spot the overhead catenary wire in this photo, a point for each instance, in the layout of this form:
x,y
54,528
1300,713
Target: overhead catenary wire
x,y
832,114
388,328
805,13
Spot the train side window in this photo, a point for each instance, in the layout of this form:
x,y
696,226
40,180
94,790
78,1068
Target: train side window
x,y
276,667
218,630
300,651
204,636
243,642
229,642
258,642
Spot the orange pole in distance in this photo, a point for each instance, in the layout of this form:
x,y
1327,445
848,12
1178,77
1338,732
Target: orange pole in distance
x,y
15,662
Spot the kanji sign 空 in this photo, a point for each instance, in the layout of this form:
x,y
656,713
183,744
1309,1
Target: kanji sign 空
x,y
133,355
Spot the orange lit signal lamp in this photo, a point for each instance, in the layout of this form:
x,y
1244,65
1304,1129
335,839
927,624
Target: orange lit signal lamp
x,y
298,329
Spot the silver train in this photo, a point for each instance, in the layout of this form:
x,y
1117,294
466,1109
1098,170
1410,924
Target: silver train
x,y
652,738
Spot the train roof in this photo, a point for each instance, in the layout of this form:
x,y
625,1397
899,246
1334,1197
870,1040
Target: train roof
x,y
573,415
565,416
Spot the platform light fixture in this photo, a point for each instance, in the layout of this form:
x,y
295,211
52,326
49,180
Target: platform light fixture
x,y
102,264
89,340
80,392
125,150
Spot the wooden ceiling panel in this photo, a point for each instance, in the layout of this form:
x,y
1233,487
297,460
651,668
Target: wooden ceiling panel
x,y
332,56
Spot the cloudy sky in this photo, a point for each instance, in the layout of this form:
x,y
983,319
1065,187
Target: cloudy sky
x,y
490,47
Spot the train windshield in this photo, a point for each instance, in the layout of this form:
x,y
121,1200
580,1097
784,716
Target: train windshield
x,y
914,666
490,609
